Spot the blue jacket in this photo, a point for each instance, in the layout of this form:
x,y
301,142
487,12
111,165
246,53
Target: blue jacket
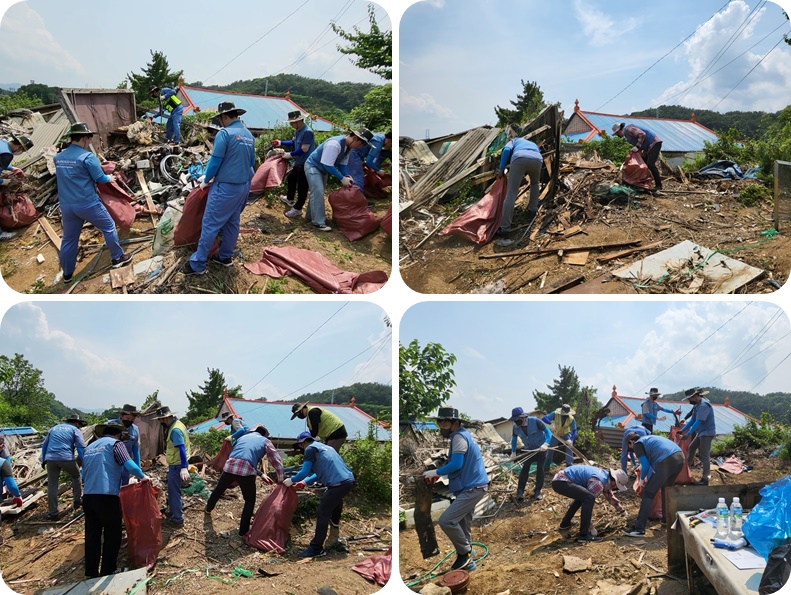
x,y
77,171
374,153
702,420
303,136
581,474
100,471
650,409
61,442
519,147
133,444
327,465
233,155
633,140
533,435
338,168
655,449
6,155
251,447
473,471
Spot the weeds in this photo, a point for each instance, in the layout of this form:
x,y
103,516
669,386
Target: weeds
x,y
275,286
754,194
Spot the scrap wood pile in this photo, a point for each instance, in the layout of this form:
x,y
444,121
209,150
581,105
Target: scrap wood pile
x,y
590,227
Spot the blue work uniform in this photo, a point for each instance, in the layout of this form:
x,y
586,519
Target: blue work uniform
x,y
640,431
101,471
654,450
250,447
650,409
61,442
472,473
133,448
373,155
6,156
633,140
519,148
533,434
327,465
77,171
581,474
231,168
702,420
303,136
317,170
172,104
7,478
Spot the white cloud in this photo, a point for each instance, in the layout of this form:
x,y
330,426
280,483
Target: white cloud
x,y
424,103
599,27
472,352
26,46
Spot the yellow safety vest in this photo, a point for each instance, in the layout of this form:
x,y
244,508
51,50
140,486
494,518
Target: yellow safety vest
x,y
171,103
171,451
328,422
561,429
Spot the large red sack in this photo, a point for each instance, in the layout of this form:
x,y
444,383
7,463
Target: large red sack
x,y
376,186
376,568
269,175
16,210
386,222
218,462
118,203
269,531
351,213
143,522
315,270
685,477
635,172
480,222
188,229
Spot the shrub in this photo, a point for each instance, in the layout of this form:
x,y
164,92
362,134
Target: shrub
x,y
754,194
210,442
613,148
371,462
751,436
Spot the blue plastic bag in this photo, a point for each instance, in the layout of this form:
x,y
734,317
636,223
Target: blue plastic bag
x,y
769,523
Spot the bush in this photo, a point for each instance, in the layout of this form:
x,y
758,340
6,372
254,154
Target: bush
x,y
613,148
753,436
752,195
727,147
371,463
210,442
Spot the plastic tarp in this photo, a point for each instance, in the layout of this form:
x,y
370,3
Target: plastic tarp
x,y
218,462
386,222
351,214
315,271
16,210
116,200
270,174
720,169
479,223
769,523
376,568
269,531
143,522
188,229
635,172
376,186
777,571
685,477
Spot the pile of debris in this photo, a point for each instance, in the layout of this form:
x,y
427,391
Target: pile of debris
x,y
591,230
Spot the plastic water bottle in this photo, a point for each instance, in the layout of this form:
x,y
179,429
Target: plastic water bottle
x,y
722,520
727,544
736,520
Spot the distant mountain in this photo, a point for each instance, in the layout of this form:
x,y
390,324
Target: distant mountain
x,y
750,124
753,404
10,86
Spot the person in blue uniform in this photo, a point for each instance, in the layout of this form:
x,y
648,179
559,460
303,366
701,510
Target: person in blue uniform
x,y
645,141
170,107
9,149
77,171
301,146
228,174
128,415
242,467
468,482
330,158
522,158
102,464
661,460
236,423
535,436
651,408
703,427
7,478
57,455
373,155
626,450
177,453
321,463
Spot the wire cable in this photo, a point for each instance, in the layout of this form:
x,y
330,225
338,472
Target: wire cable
x,y
769,372
754,341
748,74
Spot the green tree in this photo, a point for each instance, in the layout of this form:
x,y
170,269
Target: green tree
x,y
425,378
23,399
205,402
45,93
150,399
17,100
775,144
565,389
374,50
527,106
156,72
376,111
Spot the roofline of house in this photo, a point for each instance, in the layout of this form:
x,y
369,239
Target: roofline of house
x,y
582,113
684,401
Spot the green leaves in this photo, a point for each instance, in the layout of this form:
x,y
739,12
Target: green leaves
x,y
426,378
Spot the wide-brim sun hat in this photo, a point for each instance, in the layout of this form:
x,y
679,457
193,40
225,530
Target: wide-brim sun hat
x,y
226,107
621,479
296,408
617,128
100,428
164,412
449,413
363,134
295,116
76,418
80,129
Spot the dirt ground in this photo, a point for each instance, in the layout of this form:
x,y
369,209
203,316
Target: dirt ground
x,y
263,225
206,544
705,212
526,548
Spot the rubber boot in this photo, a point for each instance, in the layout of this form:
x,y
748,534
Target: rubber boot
x,y
334,541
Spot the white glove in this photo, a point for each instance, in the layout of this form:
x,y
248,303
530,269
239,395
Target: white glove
x,y
430,474
512,457
287,156
568,442
133,480
203,183
229,438
346,181
634,149
267,480
287,482
184,474
663,418
543,447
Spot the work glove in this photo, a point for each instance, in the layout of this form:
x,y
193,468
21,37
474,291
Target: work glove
x,y
18,502
430,476
275,143
203,183
543,448
184,474
663,418
287,482
267,480
568,442
15,171
498,173
300,485
287,156
43,464
133,480
229,439
346,181
512,457
150,118
634,149
677,412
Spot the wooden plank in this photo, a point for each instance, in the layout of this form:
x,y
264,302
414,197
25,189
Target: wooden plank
x,y
589,248
571,231
537,131
576,258
561,285
50,231
149,201
684,179
423,524
622,253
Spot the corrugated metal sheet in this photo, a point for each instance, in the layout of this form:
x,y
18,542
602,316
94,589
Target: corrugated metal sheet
x,y
677,135
420,152
263,113
725,418
45,135
19,431
276,416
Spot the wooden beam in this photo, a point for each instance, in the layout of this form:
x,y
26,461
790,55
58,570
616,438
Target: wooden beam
x,y
537,131
149,201
589,248
562,285
424,525
622,253
50,231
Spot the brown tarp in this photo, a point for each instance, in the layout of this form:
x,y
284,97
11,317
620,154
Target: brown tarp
x,y
269,175
635,172
376,568
16,210
315,270
480,222
351,213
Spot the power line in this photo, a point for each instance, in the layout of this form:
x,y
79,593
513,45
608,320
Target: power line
x,y
762,350
367,362
769,372
735,363
748,74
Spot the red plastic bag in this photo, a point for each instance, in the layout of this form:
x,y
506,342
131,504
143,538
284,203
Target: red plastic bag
x,y
188,229
269,531
386,222
218,462
351,214
635,172
269,175
376,568
480,222
143,523
118,204
376,186
16,210
685,477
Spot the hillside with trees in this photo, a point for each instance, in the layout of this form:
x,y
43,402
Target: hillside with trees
x,y
750,124
372,397
777,404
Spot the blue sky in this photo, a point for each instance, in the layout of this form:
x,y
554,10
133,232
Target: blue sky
x,y
94,43
507,350
97,354
460,58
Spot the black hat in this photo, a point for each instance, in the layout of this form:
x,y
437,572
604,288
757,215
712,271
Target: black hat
x,y
363,134
450,413
163,412
296,408
296,116
77,419
654,391
226,107
152,90
100,428
130,409
80,129
389,134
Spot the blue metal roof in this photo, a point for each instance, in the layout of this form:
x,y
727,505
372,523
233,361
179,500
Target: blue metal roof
x,y
262,112
276,416
424,425
19,431
725,418
677,135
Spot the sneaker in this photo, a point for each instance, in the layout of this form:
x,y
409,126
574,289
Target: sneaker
x,y
538,496
285,201
471,566
77,505
322,227
223,262
293,213
174,523
563,527
54,517
531,215
67,278
632,532
188,270
124,259
312,552
501,233
7,235
462,561
587,537
702,482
